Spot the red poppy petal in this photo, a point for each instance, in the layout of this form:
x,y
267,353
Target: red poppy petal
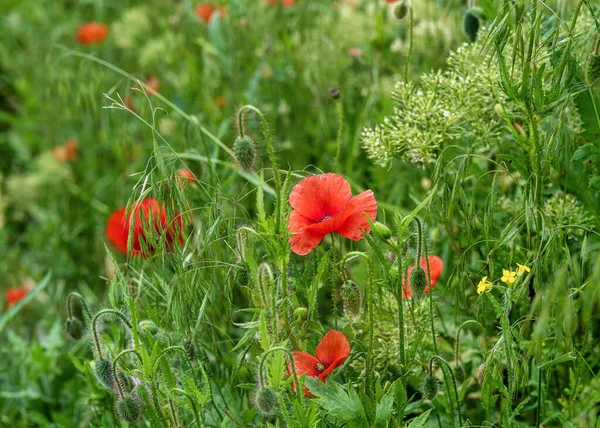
x,y
333,224
320,196
365,204
333,347
304,363
436,266
304,242
117,230
331,368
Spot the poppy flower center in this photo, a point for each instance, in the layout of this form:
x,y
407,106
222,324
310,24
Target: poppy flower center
x,y
320,367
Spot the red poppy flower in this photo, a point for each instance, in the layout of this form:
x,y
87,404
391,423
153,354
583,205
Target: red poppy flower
x,y
285,3
152,85
331,353
117,229
185,176
205,11
324,204
13,295
67,152
436,265
91,33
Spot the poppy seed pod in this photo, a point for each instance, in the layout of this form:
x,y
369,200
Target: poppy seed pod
x,y
592,69
471,25
400,10
382,230
351,299
241,276
430,387
74,328
244,150
128,409
148,327
418,281
266,400
104,373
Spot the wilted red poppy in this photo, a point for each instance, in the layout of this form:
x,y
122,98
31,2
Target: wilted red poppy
x,y
331,353
185,176
14,295
436,265
67,152
324,204
91,33
146,212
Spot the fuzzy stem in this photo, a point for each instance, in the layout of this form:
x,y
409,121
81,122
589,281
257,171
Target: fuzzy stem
x,y
445,363
410,43
290,355
95,330
464,324
114,367
400,302
333,283
340,109
433,336
538,411
193,403
83,304
371,326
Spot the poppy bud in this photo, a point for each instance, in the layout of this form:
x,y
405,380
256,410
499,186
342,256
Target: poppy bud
x,y
418,281
143,394
128,409
382,230
459,374
266,400
430,387
400,10
592,69
351,299
74,328
244,150
471,25
148,328
300,313
241,276
104,373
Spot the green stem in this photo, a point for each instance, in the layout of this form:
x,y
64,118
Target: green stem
x,y
433,335
193,403
400,302
410,43
340,108
95,330
114,367
464,324
449,369
371,326
538,412
83,304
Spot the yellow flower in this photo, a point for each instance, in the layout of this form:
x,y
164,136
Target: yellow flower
x,y
508,276
484,285
522,269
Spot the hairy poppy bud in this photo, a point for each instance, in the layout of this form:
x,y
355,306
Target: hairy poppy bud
x,y
300,313
592,69
382,230
244,150
266,400
351,299
143,394
400,10
459,374
104,373
418,281
74,328
471,25
128,409
430,387
241,276
148,328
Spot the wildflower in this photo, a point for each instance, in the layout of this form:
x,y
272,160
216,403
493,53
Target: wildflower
x,y
206,11
285,3
521,269
436,265
484,285
355,52
67,152
185,176
14,295
145,212
91,33
324,204
152,85
508,276
331,353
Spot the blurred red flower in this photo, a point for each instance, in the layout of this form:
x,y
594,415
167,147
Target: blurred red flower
x,y
285,3
185,176
14,295
324,204
205,11
221,101
152,84
436,265
67,152
91,33
331,353
146,212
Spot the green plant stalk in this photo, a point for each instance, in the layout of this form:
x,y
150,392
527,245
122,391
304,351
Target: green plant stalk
x,y
95,331
371,327
464,324
445,363
400,302
538,412
193,403
83,304
333,282
410,43
114,367
340,109
432,322
290,355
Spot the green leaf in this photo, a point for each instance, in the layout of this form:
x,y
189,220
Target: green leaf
x,y
383,414
334,399
488,8
420,420
587,152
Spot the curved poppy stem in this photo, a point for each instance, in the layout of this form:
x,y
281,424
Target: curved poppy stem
x,y
193,403
449,369
82,301
293,364
464,324
433,336
95,334
114,367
